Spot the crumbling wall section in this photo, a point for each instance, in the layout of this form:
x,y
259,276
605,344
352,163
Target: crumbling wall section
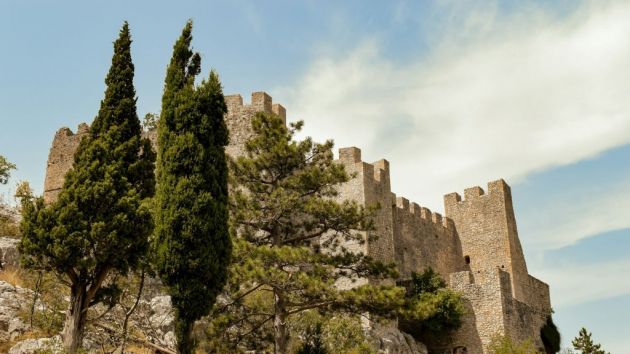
x,y
61,158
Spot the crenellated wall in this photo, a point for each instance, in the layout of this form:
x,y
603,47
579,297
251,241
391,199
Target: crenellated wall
x,y
239,117
371,188
475,245
424,239
486,225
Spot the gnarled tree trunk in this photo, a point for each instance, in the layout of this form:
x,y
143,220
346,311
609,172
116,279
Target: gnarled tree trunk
x,y
75,319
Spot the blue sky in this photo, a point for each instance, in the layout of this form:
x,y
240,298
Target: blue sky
x,y
452,93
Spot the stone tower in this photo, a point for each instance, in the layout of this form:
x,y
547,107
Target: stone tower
x,y
486,226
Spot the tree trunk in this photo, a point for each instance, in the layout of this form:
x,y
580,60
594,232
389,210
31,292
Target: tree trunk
x,y
129,312
280,323
183,333
75,319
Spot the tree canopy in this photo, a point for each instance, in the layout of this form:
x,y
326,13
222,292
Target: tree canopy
x,y
192,243
101,221
5,169
291,242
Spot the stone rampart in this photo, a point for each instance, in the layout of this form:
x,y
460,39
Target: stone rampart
x,y
371,188
475,245
424,239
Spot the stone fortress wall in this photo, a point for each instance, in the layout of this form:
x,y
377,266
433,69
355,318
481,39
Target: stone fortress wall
x,y
474,246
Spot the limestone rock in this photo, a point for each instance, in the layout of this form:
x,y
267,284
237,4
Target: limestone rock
x,y
162,313
32,346
11,300
392,341
9,256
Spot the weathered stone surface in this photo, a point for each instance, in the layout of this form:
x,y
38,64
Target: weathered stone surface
x,y
12,298
9,256
390,340
161,316
33,346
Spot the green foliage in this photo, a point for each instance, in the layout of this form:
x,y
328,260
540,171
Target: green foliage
x,y
50,302
192,244
505,345
150,120
584,343
5,169
101,221
313,342
550,336
291,251
432,310
23,193
428,281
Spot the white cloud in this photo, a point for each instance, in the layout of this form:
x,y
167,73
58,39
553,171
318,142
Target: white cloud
x,y
595,282
567,221
497,97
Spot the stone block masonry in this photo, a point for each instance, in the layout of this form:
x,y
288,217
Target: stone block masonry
x,y
474,246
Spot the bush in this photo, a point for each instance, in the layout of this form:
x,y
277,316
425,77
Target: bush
x,y
433,310
505,345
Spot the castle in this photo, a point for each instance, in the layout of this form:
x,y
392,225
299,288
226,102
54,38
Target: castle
x,y
474,246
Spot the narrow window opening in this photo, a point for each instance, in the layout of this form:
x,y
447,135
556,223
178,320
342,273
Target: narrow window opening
x,y
467,259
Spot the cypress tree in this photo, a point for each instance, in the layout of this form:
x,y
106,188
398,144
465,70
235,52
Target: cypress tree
x,y
101,222
192,244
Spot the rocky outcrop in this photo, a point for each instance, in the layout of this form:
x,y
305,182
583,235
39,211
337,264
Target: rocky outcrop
x,y
12,298
9,257
52,345
390,340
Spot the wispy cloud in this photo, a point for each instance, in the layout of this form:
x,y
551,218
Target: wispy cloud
x,y
565,222
497,97
595,282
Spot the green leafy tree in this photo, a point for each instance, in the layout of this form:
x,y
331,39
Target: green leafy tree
x,y
101,222
192,243
432,311
584,343
291,253
5,169
149,122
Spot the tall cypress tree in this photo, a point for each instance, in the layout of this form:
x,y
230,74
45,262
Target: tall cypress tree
x,y
100,224
192,244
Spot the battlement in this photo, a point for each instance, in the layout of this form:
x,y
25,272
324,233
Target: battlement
x,y
498,187
474,244
351,158
403,205
260,102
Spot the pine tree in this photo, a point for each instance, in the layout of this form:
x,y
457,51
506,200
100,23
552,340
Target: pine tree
x,y
101,222
290,255
192,242
584,343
